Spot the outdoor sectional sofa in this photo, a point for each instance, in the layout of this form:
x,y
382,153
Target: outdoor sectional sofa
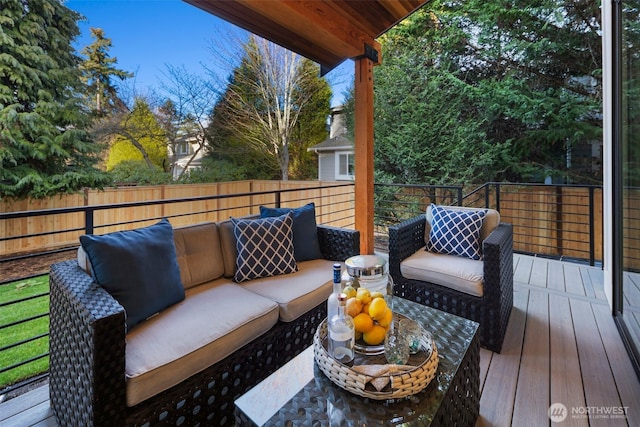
x,y
187,364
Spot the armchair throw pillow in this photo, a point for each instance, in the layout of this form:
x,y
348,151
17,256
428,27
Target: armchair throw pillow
x,y
138,268
306,245
265,247
456,232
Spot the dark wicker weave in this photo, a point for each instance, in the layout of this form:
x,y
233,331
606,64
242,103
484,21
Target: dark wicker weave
x,y
87,355
491,311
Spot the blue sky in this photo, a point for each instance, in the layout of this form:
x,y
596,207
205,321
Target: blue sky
x,y
148,35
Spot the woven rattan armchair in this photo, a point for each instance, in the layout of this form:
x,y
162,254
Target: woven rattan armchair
x,y
87,355
491,310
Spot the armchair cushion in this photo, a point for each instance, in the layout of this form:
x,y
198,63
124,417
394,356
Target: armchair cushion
x,y
305,234
456,232
265,247
454,272
138,268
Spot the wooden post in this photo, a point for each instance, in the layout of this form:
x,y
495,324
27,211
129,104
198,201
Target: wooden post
x,y
364,153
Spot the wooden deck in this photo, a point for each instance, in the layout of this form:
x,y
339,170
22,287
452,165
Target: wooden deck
x,y
562,346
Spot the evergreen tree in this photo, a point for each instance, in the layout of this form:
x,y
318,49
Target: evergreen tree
x,y
44,148
474,91
97,71
311,127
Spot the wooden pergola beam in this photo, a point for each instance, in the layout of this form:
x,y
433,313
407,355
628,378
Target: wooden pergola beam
x,y
364,153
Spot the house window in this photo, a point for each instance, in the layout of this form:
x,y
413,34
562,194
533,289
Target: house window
x,y
344,166
182,148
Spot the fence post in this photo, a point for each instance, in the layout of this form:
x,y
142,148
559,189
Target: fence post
x,y
498,196
459,196
487,190
88,220
278,198
592,245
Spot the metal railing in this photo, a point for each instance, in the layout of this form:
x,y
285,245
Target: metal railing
x,y
334,206
560,221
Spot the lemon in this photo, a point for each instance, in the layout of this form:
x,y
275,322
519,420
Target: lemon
x,y
363,295
363,322
349,291
365,308
386,319
377,308
375,336
353,307
376,294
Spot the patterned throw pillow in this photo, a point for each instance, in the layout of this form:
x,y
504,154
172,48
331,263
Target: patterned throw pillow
x,y
265,247
456,232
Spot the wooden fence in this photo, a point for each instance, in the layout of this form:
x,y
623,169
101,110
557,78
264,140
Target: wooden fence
x,y
556,221
334,206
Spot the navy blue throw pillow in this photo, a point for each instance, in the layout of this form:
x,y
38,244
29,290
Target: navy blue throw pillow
x,y
306,245
456,232
138,268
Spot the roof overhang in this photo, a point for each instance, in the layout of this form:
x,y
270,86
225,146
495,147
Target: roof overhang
x,y
325,31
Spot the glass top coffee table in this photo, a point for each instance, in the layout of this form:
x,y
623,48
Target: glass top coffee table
x,y
300,394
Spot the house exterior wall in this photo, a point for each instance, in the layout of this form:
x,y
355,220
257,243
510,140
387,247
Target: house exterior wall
x,y
327,166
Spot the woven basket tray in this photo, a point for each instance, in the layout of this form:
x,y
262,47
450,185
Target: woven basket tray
x,y
390,381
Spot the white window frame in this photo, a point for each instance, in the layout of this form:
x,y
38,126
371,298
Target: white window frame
x,y
348,176
183,148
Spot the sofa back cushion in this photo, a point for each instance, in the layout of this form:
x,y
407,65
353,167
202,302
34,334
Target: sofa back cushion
x,y
228,244
199,253
491,221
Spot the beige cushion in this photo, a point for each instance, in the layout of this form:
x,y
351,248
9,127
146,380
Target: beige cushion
x,y
83,261
199,254
213,321
459,273
491,221
298,292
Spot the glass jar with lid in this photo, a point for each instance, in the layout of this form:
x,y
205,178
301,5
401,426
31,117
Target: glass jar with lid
x,y
371,272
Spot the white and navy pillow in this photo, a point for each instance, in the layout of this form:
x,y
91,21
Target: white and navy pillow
x,y
456,232
265,247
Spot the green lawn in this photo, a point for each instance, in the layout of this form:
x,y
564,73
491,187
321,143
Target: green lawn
x,y
8,314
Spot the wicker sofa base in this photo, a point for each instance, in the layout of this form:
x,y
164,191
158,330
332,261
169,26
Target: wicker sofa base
x,y
207,398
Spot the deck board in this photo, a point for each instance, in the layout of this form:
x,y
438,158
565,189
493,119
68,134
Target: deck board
x,y
533,386
621,367
599,385
538,275
555,276
499,391
566,384
562,346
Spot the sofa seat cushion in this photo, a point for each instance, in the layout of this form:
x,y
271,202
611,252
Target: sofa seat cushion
x,y
454,272
214,320
298,292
